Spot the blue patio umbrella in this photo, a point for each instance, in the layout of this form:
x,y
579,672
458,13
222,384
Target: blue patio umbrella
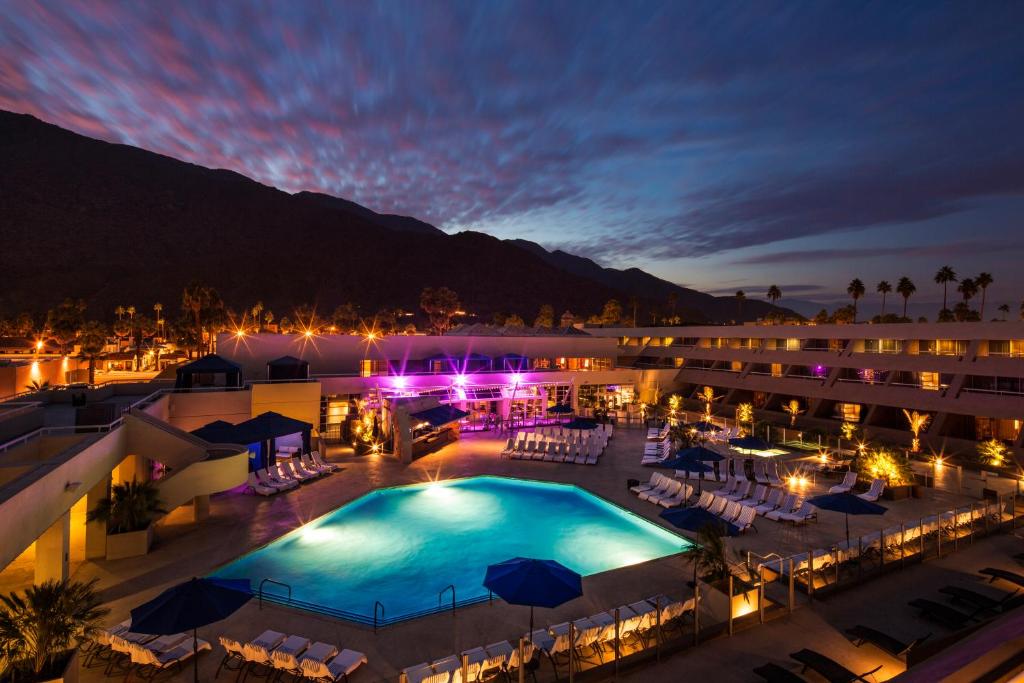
x,y
580,423
537,583
704,426
560,409
847,503
701,453
690,463
188,606
750,443
696,519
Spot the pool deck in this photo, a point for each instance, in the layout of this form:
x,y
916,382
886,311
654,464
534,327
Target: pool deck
x,y
239,523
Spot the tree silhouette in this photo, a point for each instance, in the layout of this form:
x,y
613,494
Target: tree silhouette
x,y
906,288
883,288
856,290
944,276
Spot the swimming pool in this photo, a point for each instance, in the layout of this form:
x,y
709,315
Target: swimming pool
x,y
402,546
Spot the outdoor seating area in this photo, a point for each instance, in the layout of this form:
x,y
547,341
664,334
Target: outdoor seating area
x,y
273,654
290,469
559,444
124,653
575,645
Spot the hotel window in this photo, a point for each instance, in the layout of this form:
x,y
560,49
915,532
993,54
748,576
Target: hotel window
x,y
373,368
717,343
930,381
848,412
679,361
999,347
792,344
776,369
944,347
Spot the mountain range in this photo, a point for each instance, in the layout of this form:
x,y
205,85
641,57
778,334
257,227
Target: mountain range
x,y
118,225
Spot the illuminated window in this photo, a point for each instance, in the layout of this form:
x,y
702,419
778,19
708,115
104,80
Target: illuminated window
x,y
737,365
930,381
792,344
776,369
849,412
372,368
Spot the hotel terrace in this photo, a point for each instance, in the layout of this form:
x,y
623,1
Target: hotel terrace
x,y
415,426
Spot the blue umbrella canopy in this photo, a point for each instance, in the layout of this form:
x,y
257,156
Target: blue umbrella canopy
x,y
705,426
847,503
701,453
696,519
750,443
580,423
537,583
560,408
188,606
683,462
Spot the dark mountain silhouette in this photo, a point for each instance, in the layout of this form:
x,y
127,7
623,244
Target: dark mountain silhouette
x,y
114,224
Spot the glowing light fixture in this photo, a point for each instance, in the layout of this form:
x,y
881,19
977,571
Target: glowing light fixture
x,y
460,380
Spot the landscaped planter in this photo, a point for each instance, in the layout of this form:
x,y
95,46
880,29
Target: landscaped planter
x,y
131,544
898,492
70,674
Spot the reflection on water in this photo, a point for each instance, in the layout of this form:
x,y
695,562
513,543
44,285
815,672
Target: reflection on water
x,y
402,546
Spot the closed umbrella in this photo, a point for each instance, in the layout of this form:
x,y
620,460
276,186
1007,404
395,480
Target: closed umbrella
x,y
849,504
190,605
704,426
537,583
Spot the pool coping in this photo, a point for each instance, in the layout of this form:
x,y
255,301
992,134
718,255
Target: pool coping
x,y
285,601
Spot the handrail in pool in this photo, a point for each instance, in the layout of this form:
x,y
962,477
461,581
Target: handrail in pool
x,y
441,595
376,604
276,583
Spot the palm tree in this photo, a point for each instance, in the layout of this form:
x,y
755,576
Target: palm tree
x,y
917,422
158,308
943,277
92,340
905,286
256,310
883,288
1005,310
131,507
119,312
130,311
774,294
856,290
46,622
794,409
740,298
709,555
983,281
967,289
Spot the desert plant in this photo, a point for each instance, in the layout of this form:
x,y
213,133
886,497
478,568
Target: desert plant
x,y
917,422
42,624
131,507
881,463
993,452
709,556
794,410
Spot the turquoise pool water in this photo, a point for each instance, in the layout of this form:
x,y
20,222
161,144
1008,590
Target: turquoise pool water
x,y
402,546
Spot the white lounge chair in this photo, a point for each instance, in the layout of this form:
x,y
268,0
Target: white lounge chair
x,y
312,467
806,513
315,455
760,474
757,497
674,488
746,519
254,484
663,486
873,493
678,499
705,500
148,660
773,501
717,506
773,474
786,506
652,483
300,471
846,485
270,477
731,512
339,668
740,493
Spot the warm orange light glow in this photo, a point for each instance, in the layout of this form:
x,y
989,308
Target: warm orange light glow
x,y
308,334
240,333
39,345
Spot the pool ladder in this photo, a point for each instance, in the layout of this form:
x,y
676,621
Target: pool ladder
x,y
276,583
440,596
377,605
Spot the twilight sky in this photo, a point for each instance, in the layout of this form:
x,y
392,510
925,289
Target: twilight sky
x,y
719,145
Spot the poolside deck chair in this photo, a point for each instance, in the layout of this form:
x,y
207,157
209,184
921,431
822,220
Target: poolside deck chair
x,y
685,491
148,663
339,668
740,493
1008,576
875,492
828,668
310,466
256,487
269,477
846,485
315,455
234,658
773,474
717,506
301,471
939,613
760,474
732,511
787,505
424,673
861,634
282,472
772,502
806,513
651,483
773,673
705,500
511,654
746,519
757,497
663,486
674,488
977,600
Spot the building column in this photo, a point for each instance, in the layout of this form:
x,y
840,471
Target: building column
x,y
133,467
96,532
200,508
53,551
